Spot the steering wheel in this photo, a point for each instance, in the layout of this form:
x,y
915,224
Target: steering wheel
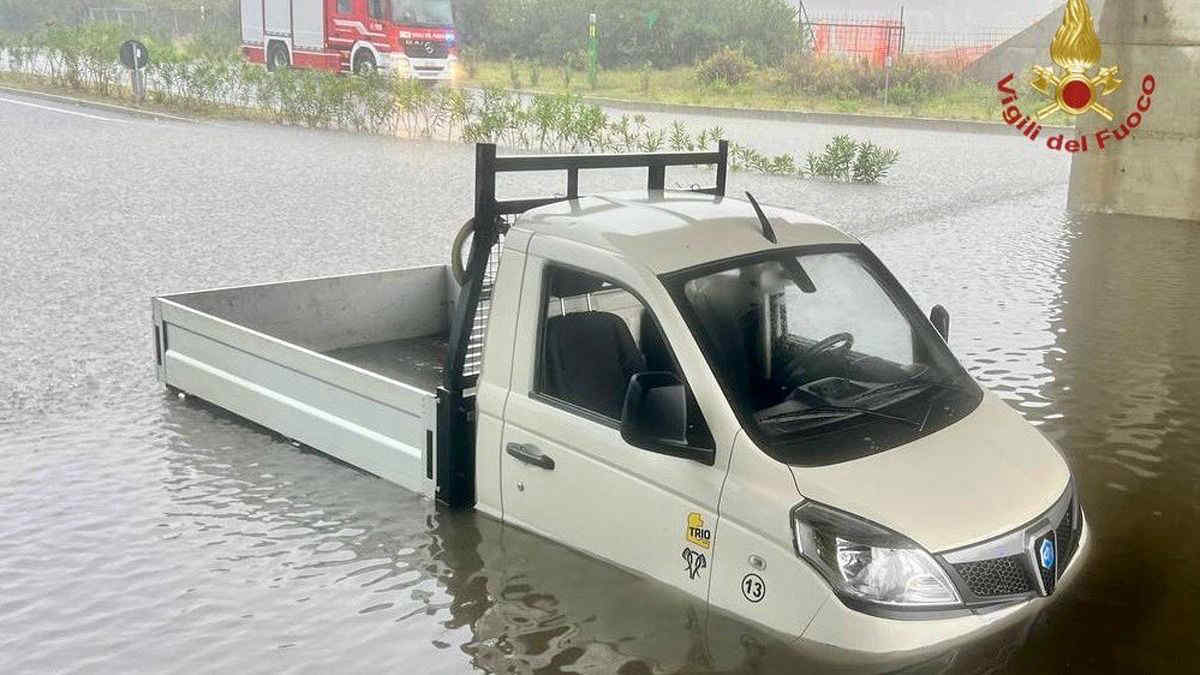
x,y
838,344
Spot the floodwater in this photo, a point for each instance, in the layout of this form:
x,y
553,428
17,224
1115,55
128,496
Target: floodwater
x,y
145,533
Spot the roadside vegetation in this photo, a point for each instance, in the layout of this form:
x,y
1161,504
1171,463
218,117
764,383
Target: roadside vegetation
x,y
198,77
917,88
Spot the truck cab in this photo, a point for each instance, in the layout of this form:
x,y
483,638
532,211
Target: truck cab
x,y
738,401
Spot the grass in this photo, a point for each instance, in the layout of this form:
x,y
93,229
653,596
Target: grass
x,y
970,101
124,97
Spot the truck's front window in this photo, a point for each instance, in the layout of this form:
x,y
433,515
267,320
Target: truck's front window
x,y
422,12
822,356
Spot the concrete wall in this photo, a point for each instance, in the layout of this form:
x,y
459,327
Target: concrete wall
x,y
1025,49
1156,171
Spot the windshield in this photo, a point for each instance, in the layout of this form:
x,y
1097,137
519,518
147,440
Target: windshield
x,y
422,12
822,355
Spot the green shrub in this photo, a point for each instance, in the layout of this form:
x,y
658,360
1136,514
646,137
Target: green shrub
x,y
727,66
873,163
847,160
911,80
667,32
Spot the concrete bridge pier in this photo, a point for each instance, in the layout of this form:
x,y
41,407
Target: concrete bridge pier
x,y
1156,171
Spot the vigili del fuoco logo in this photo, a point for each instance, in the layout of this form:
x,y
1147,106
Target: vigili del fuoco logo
x,y
1076,87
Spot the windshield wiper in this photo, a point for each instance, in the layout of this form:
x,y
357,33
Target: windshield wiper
x,y
839,411
914,382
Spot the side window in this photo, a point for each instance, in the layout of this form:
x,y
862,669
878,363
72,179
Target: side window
x,y
376,8
343,6
594,337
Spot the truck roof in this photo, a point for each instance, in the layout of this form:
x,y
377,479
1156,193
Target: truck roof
x,y
670,230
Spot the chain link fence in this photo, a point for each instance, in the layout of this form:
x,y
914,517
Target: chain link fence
x,y
876,38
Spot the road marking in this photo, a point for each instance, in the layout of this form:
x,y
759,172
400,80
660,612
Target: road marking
x,y
65,112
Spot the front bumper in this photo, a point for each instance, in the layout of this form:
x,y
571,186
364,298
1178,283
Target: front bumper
x,y
838,626
419,69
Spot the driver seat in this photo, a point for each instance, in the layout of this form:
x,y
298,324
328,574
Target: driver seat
x,y
588,357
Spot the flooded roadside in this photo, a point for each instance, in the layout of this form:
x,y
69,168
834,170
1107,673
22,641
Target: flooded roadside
x,y
148,533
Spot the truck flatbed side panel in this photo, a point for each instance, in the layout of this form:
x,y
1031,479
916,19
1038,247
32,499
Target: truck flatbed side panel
x,y
315,360
364,420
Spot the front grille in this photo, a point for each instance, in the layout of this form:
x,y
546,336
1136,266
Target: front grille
x,y
426,49
996,577
1018,573
1068,537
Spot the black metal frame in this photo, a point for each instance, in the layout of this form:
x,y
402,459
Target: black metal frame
x,y
456,410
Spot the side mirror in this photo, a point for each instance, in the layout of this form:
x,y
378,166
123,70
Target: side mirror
x,y
940,319
655,417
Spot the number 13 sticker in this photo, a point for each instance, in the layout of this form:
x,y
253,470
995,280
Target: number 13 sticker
x,y
753,588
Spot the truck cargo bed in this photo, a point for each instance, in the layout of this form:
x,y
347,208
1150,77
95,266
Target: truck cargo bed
x,y
348,365
417,361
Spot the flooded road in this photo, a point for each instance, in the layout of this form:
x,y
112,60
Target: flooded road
x,y
146,533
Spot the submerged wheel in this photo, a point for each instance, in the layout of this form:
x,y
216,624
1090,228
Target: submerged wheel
x,y
278,58
364,63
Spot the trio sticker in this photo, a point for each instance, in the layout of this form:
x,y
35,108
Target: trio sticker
x,y
694,532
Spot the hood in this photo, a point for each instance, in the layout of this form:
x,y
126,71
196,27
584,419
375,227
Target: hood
x,y
988,474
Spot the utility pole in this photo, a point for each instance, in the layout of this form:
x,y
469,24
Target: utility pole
x,y
593,48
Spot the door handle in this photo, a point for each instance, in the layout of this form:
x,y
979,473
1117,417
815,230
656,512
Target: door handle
x,y
530,455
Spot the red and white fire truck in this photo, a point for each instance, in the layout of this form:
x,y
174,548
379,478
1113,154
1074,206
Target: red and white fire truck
x,y
413,38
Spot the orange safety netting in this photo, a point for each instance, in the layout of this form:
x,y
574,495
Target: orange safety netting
x,y
874,41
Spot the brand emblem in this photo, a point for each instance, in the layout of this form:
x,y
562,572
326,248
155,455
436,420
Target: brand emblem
x,y
1046,554
695,532
429,48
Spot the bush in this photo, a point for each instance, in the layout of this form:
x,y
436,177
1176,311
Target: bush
x,y
873,163
666,32
847,160
911,80
728,66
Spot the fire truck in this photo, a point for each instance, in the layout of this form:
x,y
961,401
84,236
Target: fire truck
x,y
412,38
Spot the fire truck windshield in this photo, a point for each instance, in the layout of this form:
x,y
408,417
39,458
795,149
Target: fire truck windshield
x,y
422,12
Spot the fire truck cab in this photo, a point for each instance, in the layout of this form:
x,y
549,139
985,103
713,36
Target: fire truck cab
x,y
411,38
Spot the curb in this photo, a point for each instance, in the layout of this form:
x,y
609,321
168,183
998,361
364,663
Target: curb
x,y
87,103
850,119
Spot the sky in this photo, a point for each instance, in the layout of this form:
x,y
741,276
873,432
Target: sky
x,y
958,16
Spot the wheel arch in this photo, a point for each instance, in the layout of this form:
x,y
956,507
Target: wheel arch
x,y
358,49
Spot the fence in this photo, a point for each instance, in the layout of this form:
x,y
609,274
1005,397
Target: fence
x,y
875,39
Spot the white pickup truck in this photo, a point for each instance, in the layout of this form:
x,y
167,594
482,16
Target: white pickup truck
x,y
740,402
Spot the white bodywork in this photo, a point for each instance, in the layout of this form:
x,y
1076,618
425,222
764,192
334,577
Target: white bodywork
x,y
264,352
252,22
988,474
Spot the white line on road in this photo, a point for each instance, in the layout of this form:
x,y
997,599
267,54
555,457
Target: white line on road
x,y
60,110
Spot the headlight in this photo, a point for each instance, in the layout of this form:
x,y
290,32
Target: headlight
x,y
868,562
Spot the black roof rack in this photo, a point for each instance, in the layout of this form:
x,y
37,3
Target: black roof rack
x,y
487,165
